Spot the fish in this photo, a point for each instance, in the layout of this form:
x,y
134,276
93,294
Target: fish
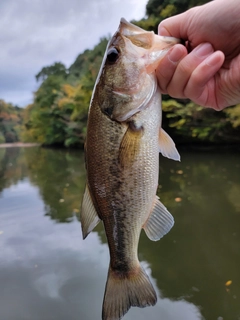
x,y
123,141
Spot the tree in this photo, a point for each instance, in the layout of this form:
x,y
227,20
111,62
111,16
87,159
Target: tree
x,y
156,7
11,118
57,69
58,114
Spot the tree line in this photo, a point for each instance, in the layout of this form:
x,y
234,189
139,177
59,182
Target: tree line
x,y
58,114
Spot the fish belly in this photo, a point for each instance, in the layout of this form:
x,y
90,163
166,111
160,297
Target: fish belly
x,y
122,172
123,178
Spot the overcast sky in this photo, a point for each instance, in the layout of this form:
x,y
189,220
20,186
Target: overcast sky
x,y
37,33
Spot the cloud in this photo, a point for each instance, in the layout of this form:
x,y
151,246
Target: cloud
x,y
38,33
47,270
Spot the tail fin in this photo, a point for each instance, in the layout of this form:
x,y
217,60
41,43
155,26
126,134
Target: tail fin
x,y
124,291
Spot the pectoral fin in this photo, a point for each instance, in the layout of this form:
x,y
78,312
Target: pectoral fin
x,y
167,146
130,145
88,216
159,222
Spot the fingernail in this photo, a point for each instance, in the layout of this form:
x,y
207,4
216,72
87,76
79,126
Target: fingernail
x,y
210,61
175,54
203,50
217,58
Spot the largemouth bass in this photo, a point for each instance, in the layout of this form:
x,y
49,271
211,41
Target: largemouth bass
x,y
124,138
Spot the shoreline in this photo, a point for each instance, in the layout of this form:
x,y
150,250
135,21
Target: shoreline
x,y
180,146
18,144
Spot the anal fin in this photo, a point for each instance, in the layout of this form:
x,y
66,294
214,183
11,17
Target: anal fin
x,y
159,222
88,216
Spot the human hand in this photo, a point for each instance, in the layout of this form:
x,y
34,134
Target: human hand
x,y
209,74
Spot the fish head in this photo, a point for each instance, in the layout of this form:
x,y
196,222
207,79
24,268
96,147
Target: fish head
x,y
127,80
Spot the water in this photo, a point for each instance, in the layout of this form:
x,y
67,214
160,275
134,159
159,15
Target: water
x,y
48,272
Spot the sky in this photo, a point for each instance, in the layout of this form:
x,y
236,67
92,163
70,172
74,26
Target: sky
x,y
37,33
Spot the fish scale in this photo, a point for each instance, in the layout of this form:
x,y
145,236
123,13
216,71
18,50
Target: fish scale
x,y
124,137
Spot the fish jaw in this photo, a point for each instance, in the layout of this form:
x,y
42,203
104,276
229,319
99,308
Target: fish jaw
x,y
161,46
156,45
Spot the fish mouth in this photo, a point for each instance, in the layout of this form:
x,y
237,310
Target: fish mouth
x,y
143,104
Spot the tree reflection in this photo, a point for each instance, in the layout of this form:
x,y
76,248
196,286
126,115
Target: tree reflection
x,y
12,167
201,252
60,176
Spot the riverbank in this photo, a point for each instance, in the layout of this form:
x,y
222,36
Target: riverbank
x,y
18,144
205,147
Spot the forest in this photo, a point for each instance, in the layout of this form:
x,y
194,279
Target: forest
x,y
58,114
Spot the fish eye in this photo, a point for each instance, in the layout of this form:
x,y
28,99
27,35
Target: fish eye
x,y
112,55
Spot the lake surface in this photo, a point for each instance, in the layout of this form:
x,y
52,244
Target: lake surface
x,y
47,272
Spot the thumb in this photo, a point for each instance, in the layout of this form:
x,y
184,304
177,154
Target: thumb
x,y
174,27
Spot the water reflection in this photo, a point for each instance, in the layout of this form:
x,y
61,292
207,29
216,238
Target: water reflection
x,y
48,272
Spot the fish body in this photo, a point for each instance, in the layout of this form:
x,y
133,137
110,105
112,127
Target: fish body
x,y
124,137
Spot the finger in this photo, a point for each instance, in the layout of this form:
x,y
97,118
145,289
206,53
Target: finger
x,y
229,83
174,27
168,65
185,68
200,86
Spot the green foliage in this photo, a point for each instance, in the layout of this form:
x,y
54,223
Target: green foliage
x,y
10,121
168,11
157,7
57,69
89,61
189,122
149,24
234,115
58,114
157,10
